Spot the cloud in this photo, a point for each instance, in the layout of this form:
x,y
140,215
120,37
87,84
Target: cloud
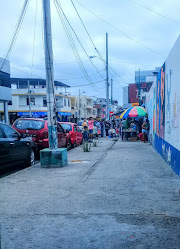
x,y
125,55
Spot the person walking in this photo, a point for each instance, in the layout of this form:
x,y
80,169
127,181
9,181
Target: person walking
x,y
107,127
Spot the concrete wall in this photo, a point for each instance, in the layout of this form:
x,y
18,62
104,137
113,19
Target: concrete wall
x,y
163,107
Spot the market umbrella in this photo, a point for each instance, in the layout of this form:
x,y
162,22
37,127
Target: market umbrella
x,y
125,113
137,111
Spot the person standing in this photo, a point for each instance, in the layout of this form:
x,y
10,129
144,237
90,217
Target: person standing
x,y
91,127
107,127
102,128
85,130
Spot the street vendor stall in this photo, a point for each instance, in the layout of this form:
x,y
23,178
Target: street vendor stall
x,y
132,131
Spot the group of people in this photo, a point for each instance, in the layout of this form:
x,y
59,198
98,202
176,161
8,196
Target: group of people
x,y
104,127
101,125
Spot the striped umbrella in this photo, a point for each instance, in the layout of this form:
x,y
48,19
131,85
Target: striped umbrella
x,y
133,112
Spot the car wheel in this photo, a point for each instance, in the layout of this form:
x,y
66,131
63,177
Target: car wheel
x,y
69,145
31,158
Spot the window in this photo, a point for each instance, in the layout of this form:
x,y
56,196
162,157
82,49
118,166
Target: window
x,y
44,102
68,103
9,132
32,100
64,102
59,128
67,127
29,124
75,128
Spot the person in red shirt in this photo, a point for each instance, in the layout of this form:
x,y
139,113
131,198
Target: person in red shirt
x,y
91,127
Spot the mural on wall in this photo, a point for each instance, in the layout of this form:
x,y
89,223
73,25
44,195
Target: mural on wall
x,y
160,103
168,106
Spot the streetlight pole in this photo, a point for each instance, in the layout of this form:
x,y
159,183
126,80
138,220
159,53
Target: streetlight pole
x,y
52,125
107,80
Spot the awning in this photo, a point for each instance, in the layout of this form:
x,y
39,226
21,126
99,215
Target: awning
x,y
38,114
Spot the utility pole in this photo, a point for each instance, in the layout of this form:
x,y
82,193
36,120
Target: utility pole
x,y
139,90
111,91
52,124
107,80
29,97
79,105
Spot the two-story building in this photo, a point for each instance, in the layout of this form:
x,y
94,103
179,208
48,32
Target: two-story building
x,y
82,107
29,99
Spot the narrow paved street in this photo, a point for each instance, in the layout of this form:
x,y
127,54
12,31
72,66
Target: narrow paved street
x,y
119,195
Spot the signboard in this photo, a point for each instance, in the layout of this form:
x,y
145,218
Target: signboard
x,y
135,104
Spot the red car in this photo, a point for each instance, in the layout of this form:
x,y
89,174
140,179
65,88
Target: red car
x,y
37,130
74,132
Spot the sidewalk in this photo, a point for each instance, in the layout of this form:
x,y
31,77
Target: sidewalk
x,y
118,195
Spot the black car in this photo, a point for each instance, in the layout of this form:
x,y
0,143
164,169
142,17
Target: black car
x,y
15,149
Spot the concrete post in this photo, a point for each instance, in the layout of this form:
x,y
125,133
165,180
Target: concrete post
x,y
52,157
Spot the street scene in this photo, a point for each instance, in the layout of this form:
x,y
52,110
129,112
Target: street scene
x,y
89,125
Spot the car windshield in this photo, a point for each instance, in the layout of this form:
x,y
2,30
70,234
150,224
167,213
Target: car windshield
x,y
67,127
29,124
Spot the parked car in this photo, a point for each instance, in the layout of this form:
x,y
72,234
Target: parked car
x,y
15,149
74,132
37,130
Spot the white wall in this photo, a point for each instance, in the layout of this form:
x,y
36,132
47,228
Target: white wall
x,y
172,97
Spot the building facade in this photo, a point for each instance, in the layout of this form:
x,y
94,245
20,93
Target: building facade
x,y
134,94
82,108
163,107
29,99
5,89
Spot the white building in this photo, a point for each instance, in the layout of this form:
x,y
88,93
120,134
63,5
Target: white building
x,y
5,89
82,107
31,98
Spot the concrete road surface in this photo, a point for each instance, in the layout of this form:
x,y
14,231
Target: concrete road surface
x,y
120,195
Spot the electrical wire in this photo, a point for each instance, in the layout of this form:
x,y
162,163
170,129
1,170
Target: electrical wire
x,y
122,32
155,12
32,65
16,32
79,41
71,41
101,57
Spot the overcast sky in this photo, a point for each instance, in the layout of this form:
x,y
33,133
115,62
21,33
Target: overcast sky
x,y
125,55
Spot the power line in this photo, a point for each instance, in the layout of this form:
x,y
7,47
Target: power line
x,y
79,41
155,12
113,26
34,38
16,32
71,41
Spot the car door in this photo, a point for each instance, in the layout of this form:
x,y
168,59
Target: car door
x,y
18,151
76,134
61,136
79,134
4,150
